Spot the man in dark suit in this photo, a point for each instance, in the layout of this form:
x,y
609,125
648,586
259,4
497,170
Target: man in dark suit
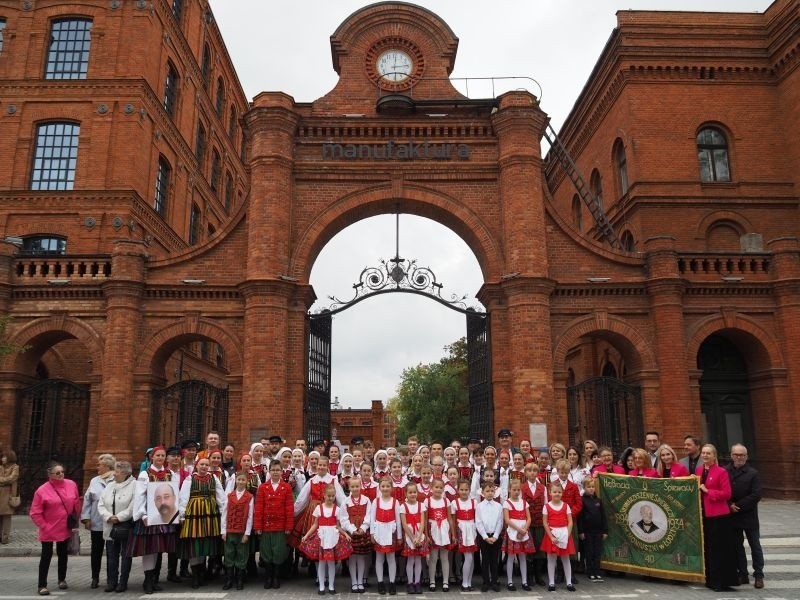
x,y
745,495
691,446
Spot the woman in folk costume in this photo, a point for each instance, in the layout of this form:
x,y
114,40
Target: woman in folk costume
x,y
200,505
289,474
517,470
464,464
326,541
150,541
215,468
253,480
381,465
450,457
369,487
260,465
299,468
535,494
311,464
398,480
334,454
414,474
346,471
312,494
354,517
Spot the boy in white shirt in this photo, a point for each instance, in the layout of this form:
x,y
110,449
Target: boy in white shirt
x,y
489,523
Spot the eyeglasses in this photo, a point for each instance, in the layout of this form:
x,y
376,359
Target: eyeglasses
x,y
56,472
745,454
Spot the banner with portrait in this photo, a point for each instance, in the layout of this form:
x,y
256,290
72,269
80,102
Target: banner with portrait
x,y
162,502
655,526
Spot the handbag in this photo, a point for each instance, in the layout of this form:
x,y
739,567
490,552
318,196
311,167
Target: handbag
x,y
119,531
74,543
72,518
14,499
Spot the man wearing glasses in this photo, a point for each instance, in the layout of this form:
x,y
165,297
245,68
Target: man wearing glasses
x,y
745,495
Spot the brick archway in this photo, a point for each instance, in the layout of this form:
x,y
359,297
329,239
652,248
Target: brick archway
x,y
46,332
624,336
160,345
384,199
761,352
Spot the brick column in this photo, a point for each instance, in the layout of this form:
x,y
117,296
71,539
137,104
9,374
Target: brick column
x,y
785,412
665,289
122,425
519,123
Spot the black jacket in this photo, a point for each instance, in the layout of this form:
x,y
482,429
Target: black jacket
x,y
745,493
592,519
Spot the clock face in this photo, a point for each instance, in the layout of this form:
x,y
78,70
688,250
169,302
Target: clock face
x,y
394,65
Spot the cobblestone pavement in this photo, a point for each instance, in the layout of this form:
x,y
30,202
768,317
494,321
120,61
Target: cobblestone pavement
x,y
780,530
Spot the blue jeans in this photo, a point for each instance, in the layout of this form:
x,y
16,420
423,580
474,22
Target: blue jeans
x,y
757,554
118,565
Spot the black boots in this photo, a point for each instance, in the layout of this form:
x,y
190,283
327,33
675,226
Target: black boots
x,y
240,573
148,582
229,578
269,568
197,576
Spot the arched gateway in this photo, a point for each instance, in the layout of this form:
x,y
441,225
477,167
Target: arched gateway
x,y
169,291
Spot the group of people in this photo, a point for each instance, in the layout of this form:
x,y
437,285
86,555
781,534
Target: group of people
x,y
421,515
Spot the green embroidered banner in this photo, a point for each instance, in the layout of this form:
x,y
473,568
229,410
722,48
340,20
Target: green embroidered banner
x,y
655,526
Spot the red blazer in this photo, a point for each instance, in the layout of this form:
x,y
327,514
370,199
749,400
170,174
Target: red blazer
x,y
599,469
535,502
645,473
678,470
572,496
718,483
274,509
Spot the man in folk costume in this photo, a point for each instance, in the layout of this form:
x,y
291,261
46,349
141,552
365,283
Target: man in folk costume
x,y
273,521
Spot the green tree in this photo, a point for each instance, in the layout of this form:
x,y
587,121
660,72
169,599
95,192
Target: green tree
x,y
6,347
432,400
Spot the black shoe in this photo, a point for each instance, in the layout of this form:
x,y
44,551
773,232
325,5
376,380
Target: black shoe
x,y
511,587
332,591
381,588
110,586
95,584
147,586
229,576
196,576
724,588
321,592
173,578
121,587
484,588
240,575
570,587
526,587
392,589
551,587
495,587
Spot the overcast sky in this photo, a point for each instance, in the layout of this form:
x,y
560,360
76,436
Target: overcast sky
x,y
284,45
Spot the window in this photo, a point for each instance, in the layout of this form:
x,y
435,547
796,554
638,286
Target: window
x,y
228,191
621,163
232,120
55,156
177,9
577,212
220,356
2,27
712,152
243,150
215,170
220,104
194,225
39,244
162,186
171,90
200,146
596,185
205,68
627,241
68,55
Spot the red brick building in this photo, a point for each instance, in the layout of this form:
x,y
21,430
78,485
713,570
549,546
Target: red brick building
x,y
374,423
160,231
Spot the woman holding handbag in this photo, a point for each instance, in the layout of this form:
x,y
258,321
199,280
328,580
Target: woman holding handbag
x,y
9,494
116,510
55,509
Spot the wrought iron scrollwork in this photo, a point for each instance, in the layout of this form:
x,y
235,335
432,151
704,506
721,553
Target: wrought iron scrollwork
x,y
401,275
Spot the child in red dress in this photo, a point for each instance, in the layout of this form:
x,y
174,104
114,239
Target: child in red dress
x,y
440,532
385,530
517,542
412,520
326,541
557,542
463,509
354,519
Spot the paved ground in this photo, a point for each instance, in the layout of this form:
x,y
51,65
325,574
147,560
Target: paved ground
x,y
780,523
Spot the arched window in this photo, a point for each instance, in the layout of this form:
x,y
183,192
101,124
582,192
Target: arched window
x,y
228,190
171,90
163,176
220,103
194,225
577,212
627,241
200,145
621,165
205,67
232,120
2,27
712,153
216,170
177,9
44,244
55,156
596,185
609,370
68,51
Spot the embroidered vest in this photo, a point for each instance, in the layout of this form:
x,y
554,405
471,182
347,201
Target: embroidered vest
x,y
238,509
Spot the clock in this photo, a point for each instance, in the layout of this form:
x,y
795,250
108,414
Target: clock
x,y
394,65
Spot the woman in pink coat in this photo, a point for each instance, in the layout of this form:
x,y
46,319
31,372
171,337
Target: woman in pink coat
x,y
52,503
720,551
668,465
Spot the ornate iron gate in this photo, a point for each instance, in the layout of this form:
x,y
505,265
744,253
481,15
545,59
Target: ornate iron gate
x,y
479,367
51,423
317,404
188,410
606,410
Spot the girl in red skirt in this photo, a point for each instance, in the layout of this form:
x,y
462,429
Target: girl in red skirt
x,y
440,531
385,530
463,510
354,519
517,542
557,542
326,541
412,519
